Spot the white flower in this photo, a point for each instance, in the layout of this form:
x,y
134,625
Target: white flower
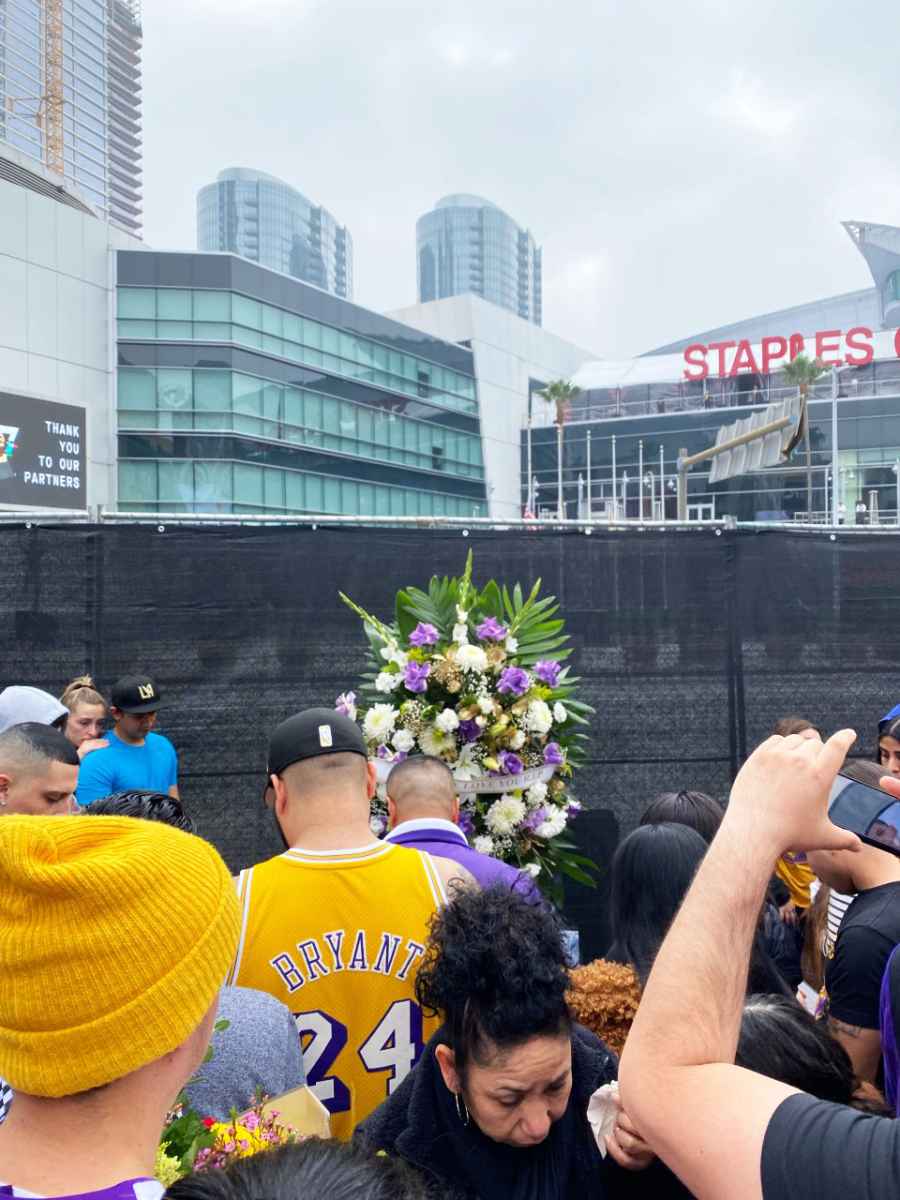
x,y
505,814
467,766
461,614
560,713
536,794
388,651
486,704
539,718
517,741
471,658
483,844
403,740
447,721
377,825
554,824
481,722
511,644
379,722
432,741
386,681
532,869
399,658
461,634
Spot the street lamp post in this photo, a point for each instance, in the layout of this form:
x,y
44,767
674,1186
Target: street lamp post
x,y
641,477
614,480
590,503
835,502
662,483
529,499
560,507
896,469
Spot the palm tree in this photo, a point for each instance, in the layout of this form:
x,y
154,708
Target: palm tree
x,y
560,393
801,373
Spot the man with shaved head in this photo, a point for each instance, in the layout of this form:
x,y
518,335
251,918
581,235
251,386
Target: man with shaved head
x,y
423,813
335,928
38,771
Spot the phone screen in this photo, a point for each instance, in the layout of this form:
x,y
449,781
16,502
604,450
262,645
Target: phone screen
x,y
867,811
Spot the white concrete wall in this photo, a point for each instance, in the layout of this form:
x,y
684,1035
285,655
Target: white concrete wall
x,y
508,351
57,335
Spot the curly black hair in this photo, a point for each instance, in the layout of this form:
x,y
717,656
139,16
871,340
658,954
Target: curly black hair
x,y
495,970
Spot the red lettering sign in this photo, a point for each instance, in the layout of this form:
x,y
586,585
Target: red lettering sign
x,y
695,357
828,342
860,339
721,347
772,348
744,360
776,350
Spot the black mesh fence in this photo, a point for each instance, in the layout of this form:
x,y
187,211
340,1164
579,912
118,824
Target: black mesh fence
x,y
690,644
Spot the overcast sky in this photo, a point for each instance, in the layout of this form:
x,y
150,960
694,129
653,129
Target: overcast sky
x,y
684,163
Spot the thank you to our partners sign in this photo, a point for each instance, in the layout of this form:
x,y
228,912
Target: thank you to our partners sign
x,y
42,453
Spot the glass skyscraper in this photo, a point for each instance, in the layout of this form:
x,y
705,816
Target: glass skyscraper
x,y
266,220
84,55
466,244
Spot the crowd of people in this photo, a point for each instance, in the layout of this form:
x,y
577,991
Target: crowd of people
x,y
738,1040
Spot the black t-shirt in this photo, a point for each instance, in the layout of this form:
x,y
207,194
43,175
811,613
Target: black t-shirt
x,y
869,932
814,1150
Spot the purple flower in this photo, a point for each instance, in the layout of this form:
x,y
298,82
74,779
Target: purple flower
x,y
511,763
547,672
401,756
346,705
490,630
466,824
553,754
535,818
469,731
415,676
424,635
573,808
514,681
383,752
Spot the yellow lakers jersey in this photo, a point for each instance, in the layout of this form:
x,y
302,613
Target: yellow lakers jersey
x,y
337,936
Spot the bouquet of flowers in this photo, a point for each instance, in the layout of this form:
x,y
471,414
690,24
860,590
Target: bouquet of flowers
x,y
476,677
194,1143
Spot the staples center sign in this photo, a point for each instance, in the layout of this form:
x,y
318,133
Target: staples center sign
x,y
854,348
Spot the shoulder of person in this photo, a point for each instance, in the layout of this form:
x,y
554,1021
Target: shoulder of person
x,y
159,740
593,1063
452,874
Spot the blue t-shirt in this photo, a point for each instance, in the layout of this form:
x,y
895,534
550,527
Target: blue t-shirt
x,y
121,767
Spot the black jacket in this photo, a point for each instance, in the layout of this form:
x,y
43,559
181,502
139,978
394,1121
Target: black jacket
x,y
419,1123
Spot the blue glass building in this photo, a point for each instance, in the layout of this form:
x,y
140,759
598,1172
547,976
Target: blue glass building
x,y
241,390
466,244
266,220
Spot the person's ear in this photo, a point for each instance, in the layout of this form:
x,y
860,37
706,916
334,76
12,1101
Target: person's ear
x,y
371,779
446,1060
5,782
454,811
279,806
392,813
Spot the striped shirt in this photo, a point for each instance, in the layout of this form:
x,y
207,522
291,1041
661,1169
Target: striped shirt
x,y
6,1095
128,1189
838,904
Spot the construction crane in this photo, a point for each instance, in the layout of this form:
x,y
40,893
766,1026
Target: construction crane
x,y
48,115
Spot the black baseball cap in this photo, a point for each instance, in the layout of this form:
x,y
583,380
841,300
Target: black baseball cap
x,y
312,734
135,694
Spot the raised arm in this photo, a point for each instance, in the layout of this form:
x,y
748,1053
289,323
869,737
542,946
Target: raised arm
x,y
704,1116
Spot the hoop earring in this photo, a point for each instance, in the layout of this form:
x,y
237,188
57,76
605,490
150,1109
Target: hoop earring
x,y
461,1111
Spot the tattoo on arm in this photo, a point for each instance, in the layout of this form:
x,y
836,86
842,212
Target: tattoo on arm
x,y
837,1026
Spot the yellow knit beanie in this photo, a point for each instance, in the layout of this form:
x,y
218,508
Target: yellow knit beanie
x,y
115,937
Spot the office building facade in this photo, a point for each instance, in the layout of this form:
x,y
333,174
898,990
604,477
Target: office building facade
x,y
240,390
267,221
70,96
469,245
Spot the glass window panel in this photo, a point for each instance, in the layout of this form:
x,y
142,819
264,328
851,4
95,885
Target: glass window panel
x,y
313,409
348,419
247,392
365,424
382,501
272,320
173,304
274,488
295,499
331,415
175,330
212,306
213,484
347,345
248,484
398,502
136,302
312,334
315,493
274,345
176,482
349,497
246,337
136,388
212,390
330,340
293,415
210,331
292,327
366,499
246,311
136,329
137,482
174,398
332,502
380,356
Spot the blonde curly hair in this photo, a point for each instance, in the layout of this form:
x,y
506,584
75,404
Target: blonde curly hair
x,y
604,996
